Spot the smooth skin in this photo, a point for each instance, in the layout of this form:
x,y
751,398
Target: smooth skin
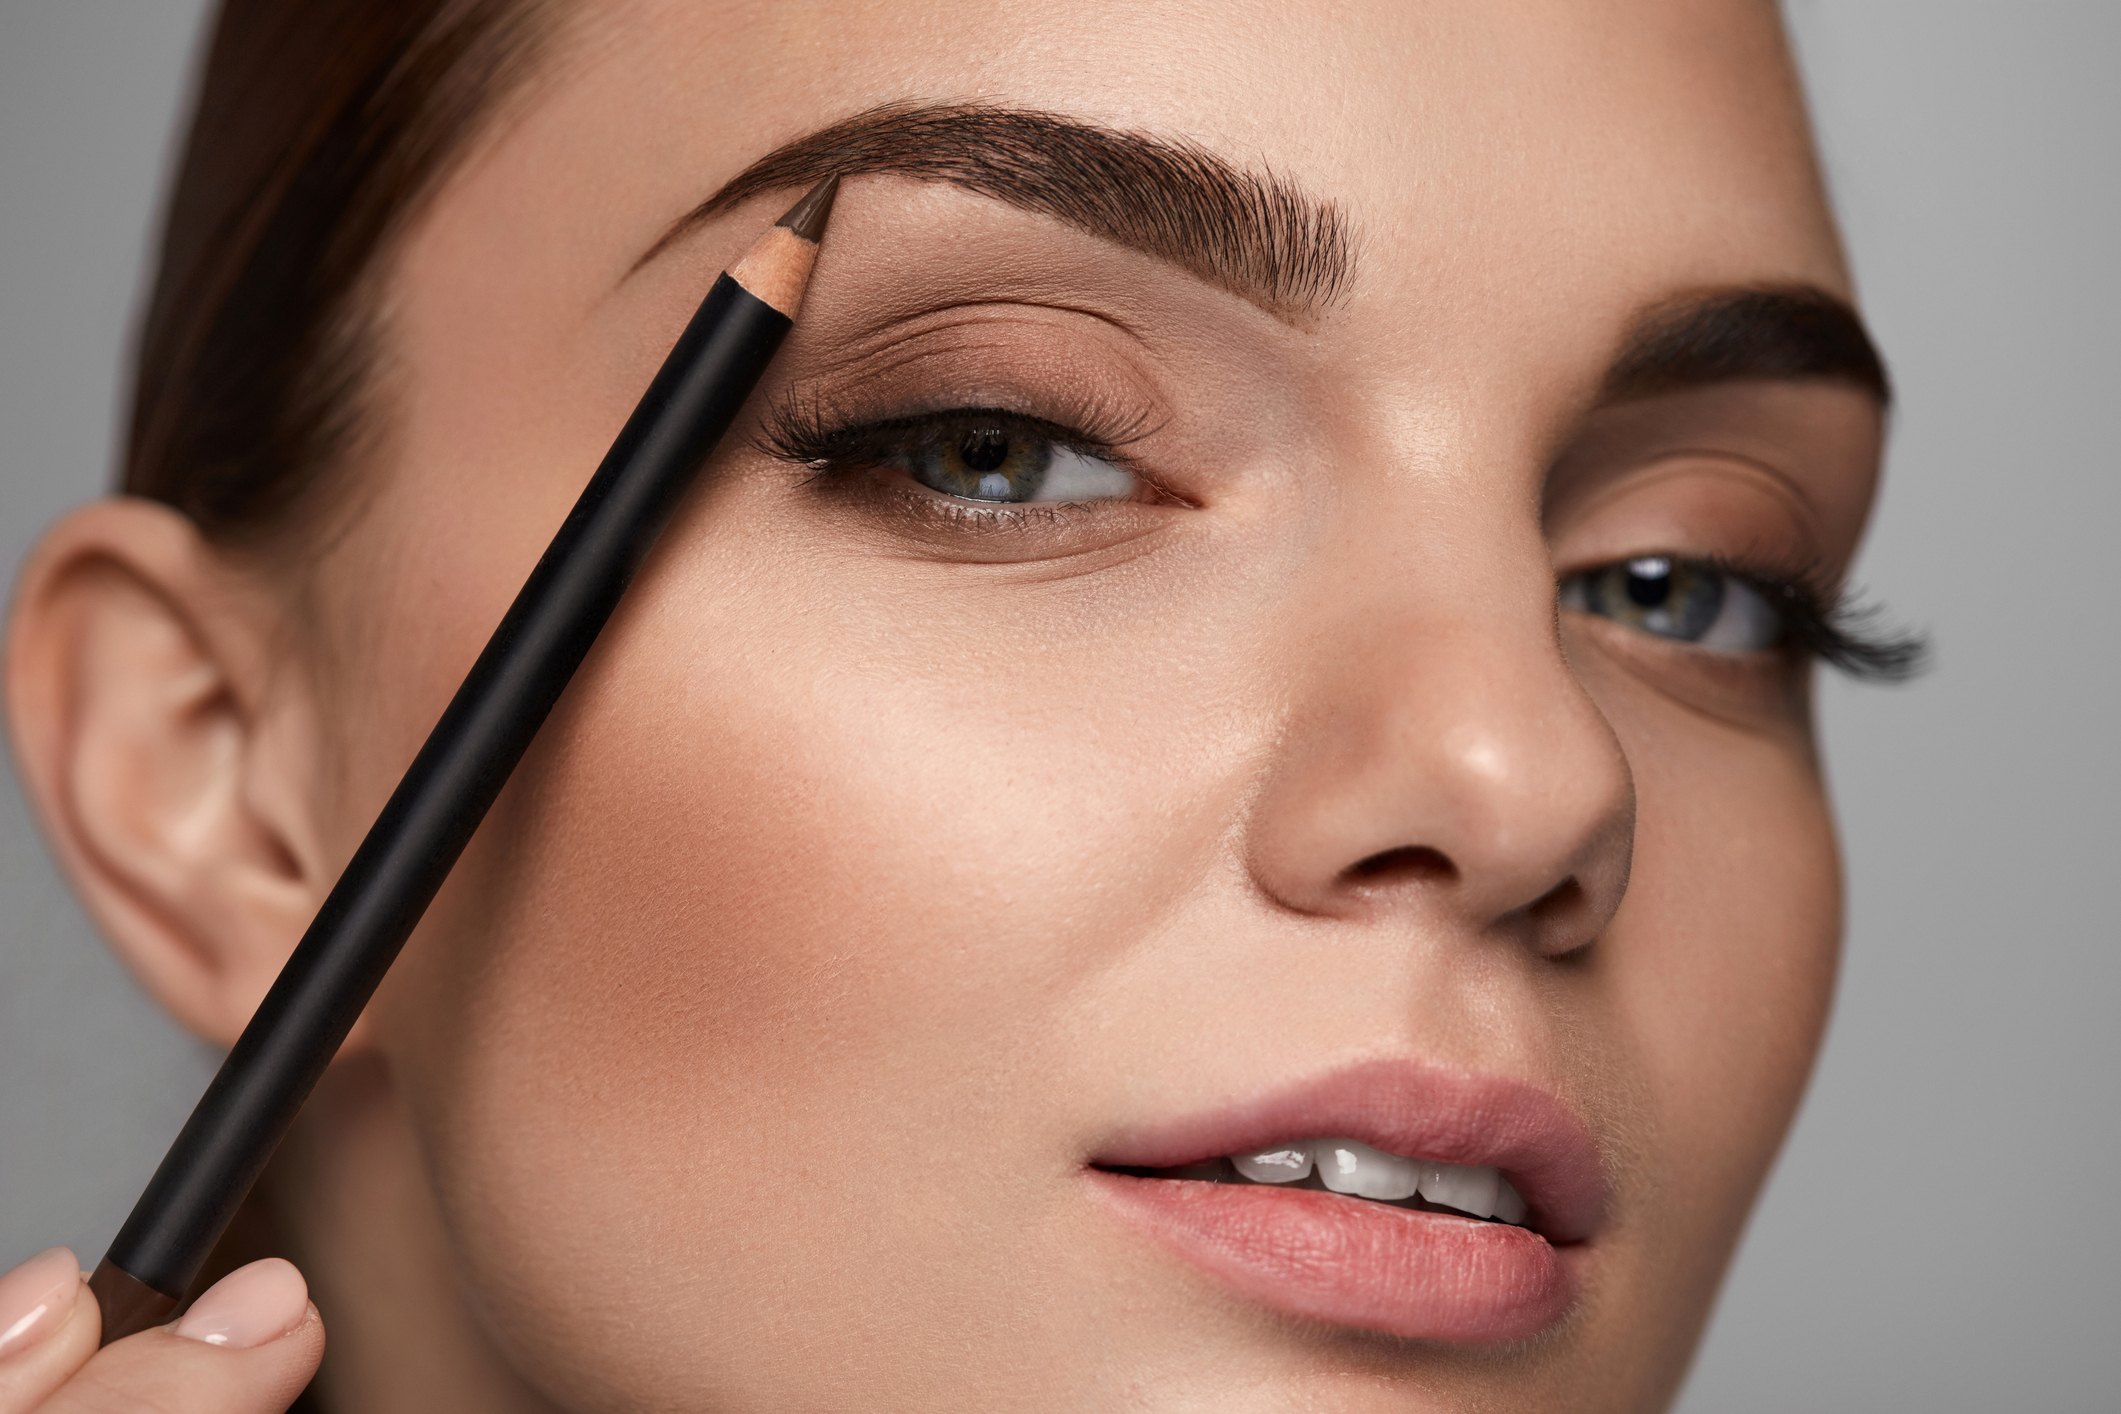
x,y
876,872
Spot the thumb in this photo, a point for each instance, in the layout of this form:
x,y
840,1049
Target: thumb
x,y
248,1346
48,1328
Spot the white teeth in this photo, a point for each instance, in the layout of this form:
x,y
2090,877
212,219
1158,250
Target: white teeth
x,y
1509,1204
1470,1190
1348,1167
1287,1164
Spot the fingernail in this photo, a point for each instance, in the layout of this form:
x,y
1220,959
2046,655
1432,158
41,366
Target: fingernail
x,y
36,1297
250,1306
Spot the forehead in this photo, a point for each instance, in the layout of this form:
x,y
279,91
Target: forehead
x,y
1659,142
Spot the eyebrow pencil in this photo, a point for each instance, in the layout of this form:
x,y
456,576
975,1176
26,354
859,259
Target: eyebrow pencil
x,y
437,806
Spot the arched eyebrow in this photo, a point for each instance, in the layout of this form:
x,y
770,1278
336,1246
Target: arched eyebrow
x,y
1255,235
1796,333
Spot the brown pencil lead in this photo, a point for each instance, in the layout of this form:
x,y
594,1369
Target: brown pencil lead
x,y
777,269
807,217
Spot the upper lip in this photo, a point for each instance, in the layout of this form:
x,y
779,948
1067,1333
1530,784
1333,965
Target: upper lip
x,y
1417,1110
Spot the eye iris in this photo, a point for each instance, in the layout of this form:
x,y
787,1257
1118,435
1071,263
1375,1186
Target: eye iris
x,y
1660,595
983,462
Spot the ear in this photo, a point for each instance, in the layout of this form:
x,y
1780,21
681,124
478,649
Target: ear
x,y
167,758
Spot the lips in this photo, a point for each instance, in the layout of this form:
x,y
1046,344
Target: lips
x,y
1405,1271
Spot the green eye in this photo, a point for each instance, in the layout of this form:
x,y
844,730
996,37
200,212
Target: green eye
x,y
1682,600
991,459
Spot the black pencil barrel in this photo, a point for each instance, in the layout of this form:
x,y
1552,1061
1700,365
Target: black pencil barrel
x,y
435,809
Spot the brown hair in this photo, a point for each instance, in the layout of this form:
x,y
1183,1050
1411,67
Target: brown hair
x,y
320,129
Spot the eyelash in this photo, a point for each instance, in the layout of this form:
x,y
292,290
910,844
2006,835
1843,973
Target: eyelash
x,y
1840,631
810,435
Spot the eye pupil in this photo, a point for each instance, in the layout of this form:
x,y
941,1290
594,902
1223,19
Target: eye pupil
x,y
984,450
1649,582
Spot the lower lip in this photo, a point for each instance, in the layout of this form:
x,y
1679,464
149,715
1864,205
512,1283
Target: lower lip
x,y
1351,1262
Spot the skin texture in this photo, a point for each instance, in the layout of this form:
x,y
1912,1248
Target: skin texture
x,y
876,872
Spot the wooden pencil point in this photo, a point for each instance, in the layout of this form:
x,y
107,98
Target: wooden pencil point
x,y
777,269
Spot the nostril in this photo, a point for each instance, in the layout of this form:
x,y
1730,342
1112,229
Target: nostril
x,y
1408,863
1563,919
1557,903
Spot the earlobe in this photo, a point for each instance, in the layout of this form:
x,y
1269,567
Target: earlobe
x,y
160,750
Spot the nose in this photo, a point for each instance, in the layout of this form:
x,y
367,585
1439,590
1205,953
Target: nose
x,y
1441,756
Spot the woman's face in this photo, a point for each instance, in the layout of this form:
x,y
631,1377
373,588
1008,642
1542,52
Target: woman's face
x,y
913,874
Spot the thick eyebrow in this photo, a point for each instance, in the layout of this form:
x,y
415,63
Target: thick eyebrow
x,y
1797,332
1255,235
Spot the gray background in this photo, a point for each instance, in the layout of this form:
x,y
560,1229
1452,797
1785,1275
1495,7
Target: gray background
x,y
1938,1235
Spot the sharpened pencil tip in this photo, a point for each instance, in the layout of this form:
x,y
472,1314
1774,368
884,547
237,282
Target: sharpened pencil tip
x,y
807,217
777,269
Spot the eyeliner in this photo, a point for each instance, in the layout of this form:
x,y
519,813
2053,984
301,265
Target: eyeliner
x,y
467,758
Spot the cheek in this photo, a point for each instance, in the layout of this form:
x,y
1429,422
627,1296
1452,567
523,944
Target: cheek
x,y
776,934
1724,965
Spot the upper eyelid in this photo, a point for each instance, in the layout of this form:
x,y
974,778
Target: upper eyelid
x,y
1762,569
1779,580
1058,433
909,331
982,329
1629,477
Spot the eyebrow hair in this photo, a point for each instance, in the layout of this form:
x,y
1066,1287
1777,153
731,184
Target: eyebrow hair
x,y
1793,332
1255,235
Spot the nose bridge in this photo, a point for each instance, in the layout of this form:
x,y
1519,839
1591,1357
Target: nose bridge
x,y
1440,752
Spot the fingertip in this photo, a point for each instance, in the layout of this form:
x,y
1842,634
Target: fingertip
x,y
36,1297
251,1306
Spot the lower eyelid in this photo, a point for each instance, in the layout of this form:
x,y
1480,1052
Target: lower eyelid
x,y
932,525
927,501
